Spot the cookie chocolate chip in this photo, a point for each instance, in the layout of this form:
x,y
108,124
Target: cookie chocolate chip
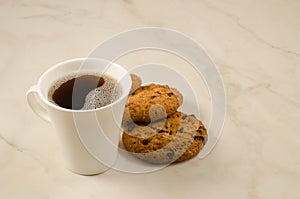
x,y
153,102
166,141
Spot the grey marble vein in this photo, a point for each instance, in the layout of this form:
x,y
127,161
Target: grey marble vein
x,y
236,19
12,145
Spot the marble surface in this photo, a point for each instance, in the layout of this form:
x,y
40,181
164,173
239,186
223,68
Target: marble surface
x,y
256,46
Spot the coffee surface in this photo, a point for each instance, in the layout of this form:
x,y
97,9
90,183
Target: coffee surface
x,y
86,91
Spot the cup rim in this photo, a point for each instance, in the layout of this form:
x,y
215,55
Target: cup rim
x,y
55,66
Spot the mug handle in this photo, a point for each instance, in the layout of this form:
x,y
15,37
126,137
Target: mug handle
x,y
35,103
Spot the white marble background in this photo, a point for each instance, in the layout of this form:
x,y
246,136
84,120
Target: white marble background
x,y
256,45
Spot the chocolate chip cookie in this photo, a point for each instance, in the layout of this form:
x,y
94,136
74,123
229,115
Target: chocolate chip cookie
x,y
174,139
153,102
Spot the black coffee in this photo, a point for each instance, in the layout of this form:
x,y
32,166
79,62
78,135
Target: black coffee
x,y
84,91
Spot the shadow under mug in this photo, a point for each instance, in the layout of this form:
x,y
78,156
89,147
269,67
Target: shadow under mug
x,y
72,125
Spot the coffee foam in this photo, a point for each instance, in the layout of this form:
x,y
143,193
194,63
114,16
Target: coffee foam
x,y
103,95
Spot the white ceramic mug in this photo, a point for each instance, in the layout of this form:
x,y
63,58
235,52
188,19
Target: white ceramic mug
x,y
73,125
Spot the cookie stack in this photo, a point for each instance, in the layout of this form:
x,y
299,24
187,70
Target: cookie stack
x,y
153,129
